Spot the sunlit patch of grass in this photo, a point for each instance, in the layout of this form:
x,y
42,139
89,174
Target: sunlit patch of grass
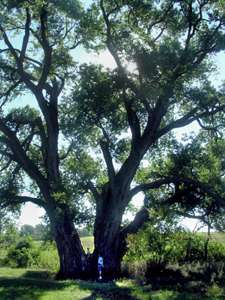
x,y
9,272
215,292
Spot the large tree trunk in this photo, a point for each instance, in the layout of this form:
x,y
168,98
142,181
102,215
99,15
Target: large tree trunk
x,y
71,253
109,245
107,234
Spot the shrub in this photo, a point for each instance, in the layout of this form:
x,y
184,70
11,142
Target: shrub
x,y
135,269
27,253
156,249
48,257
172,247
23,254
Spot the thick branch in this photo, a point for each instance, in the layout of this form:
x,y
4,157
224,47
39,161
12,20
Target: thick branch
x,y
189,118
133,120
20,155
25,199
47,50
94,191
7,94
25,77
30,59
208,128
150,185
141,217
108,160
69,149
8,43
6,165
26,37
43,138
202,218
105,147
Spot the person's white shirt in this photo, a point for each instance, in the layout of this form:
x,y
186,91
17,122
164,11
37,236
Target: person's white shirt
x,y
100,261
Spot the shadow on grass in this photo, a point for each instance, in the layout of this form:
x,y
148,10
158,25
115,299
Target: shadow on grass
x,y
32,285
109,291
38,274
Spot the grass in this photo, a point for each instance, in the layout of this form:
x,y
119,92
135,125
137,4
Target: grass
x,y
23,284
218,236
215,236
88,242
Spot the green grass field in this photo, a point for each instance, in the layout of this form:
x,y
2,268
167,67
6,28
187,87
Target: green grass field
x,y
218,236
88,242
215,236
24,284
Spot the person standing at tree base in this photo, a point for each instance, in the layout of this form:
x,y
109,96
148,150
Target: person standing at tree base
x,y
100,267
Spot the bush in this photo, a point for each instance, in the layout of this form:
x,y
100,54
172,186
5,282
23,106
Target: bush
x,y
156,249
28,253
135,269
216,251
151,245
48,257
23,254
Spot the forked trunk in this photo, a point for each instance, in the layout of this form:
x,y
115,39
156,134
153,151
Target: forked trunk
x,y
68,244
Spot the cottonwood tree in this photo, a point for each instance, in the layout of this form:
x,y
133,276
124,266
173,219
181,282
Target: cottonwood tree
x,y
126,113
121,112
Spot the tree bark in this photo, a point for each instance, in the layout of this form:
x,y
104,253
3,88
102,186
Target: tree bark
x,y
70,250
109,242
109,245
